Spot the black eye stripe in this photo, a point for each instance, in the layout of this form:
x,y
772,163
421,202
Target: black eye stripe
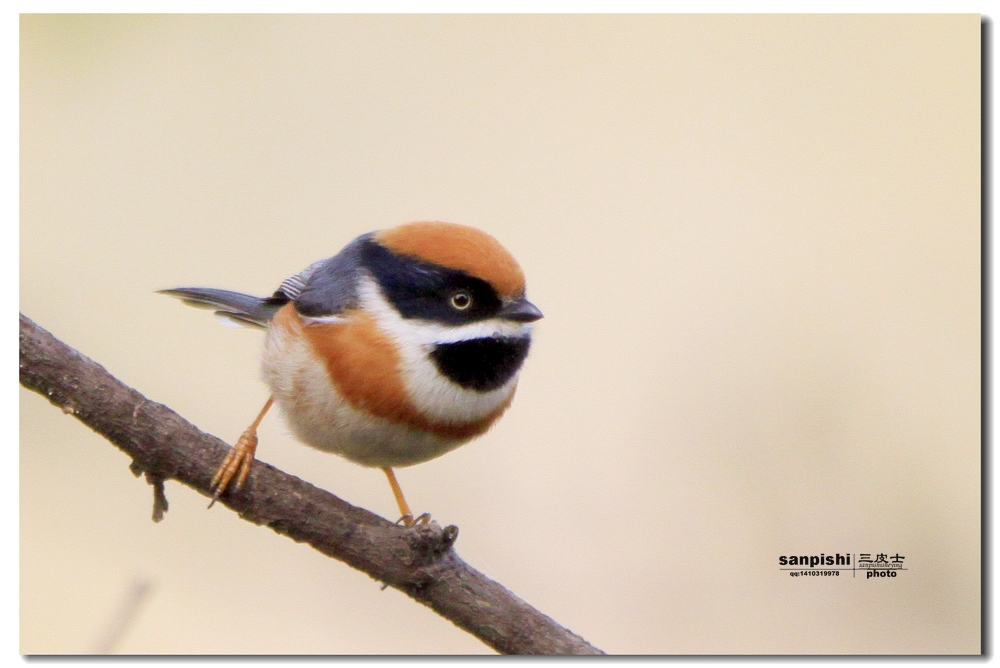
x,y
419,289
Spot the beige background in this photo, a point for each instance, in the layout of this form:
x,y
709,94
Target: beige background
x,y
756,241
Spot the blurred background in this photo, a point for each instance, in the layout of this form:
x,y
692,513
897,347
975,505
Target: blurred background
x,y
756,242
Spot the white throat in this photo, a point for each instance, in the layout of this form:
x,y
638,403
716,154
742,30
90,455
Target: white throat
x,y
435,395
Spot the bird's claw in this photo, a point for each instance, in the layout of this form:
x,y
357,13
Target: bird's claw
x,y
235,467
408,521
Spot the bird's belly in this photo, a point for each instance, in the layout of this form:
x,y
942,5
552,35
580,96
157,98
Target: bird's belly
x,y
321,416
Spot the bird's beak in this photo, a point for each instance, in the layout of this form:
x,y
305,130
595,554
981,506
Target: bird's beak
x,y
520,310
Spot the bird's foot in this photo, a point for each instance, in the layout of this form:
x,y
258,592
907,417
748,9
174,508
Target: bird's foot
x,y
408,521
235,465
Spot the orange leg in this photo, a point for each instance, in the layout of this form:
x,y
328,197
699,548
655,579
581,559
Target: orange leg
x,y
404,508
238,459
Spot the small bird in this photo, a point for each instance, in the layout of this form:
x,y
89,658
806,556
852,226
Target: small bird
x,y
401,347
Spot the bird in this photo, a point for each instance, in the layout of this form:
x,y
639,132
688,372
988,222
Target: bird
x,y
398,349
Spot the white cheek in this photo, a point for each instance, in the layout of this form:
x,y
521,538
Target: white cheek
x,y
436,396
442,400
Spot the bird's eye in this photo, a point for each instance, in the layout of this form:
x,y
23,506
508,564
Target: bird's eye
x,y
461,300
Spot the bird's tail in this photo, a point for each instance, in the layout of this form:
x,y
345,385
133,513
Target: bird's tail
x,y
235,306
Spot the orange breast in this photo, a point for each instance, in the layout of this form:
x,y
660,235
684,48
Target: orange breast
x,y
364,366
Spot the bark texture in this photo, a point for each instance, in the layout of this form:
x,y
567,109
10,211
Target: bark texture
x,y
421,562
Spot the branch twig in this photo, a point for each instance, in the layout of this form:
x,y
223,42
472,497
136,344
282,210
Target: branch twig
x,y
419,561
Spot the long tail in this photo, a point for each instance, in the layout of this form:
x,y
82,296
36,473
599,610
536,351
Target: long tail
x,y
240,308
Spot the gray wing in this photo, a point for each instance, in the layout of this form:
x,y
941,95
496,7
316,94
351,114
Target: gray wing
x,y
327,287
323,288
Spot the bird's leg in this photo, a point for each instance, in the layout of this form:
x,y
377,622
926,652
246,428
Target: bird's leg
x,y
407,518
238,459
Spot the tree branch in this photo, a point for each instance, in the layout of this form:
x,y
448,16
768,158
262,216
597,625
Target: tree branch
x,y
419,562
